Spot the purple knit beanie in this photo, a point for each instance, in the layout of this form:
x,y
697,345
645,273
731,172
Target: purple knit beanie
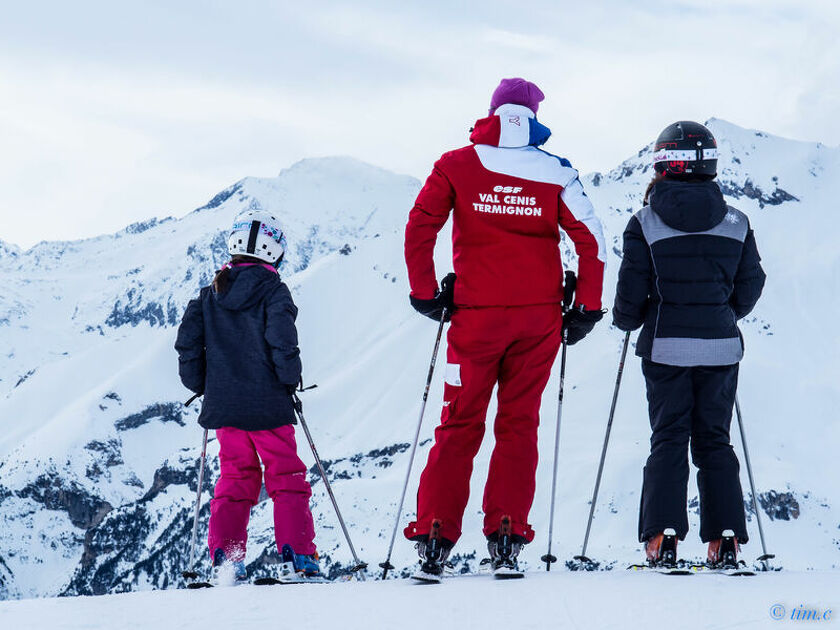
x,y
518,92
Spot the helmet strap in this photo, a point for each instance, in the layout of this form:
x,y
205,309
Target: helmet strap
x,y
252,237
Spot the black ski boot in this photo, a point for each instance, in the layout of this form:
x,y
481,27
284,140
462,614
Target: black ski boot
x,y
433,551
504,547
661,550
723,552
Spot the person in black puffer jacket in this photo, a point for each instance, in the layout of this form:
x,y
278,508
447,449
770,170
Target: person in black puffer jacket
x,y
237,345
690,271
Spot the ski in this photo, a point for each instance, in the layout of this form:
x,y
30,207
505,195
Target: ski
x,y
271,581
423,577
427,578
263,581
285,573
741,571
675,570
508,573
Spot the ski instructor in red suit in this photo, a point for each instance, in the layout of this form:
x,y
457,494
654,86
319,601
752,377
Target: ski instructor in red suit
x,y
509,199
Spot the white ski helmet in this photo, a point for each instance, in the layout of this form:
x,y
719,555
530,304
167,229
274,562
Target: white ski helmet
x,y
258,234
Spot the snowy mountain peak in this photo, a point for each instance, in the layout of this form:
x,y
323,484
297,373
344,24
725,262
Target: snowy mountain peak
x,y
336,167
145,273
754,167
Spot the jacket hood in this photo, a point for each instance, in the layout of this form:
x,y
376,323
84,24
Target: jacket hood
x,y
247,285
688,206
511,126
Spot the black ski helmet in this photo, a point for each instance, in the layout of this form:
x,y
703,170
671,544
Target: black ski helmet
x,y
686,149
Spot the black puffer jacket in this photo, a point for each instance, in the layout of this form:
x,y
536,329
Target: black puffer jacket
x,y
240,349
690,270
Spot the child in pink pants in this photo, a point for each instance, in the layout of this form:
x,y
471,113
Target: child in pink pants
x,y
237,345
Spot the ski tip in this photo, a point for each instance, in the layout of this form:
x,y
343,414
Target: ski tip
x,y
265,581
509,576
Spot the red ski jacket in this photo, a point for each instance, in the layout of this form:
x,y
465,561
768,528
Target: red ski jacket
x,y
509,200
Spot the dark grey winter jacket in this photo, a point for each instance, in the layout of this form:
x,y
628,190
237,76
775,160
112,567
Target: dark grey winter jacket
x,y
690,270
240,349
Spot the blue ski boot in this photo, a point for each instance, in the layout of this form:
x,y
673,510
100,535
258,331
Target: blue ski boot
x,y
303,565
227,572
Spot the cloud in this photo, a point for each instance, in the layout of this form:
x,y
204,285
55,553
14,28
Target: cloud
x,y
122,111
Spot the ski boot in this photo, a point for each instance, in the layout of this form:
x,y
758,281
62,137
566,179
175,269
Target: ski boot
x,y
433,551
227,572
723,552
504,547
302,565
661,550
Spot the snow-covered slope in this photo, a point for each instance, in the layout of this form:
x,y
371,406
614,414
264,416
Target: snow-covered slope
x,y
619,599
98,455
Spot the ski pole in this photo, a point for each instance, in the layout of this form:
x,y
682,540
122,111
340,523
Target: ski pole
x,y
387,566
359,566
568,297
765,557
190,574
582,557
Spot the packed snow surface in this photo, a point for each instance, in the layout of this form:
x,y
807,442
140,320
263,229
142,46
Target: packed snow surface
x,y
618,599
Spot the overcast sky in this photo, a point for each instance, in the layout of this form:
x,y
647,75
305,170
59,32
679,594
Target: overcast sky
x,y
113,112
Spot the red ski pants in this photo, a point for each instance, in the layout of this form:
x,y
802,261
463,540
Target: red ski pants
x,y
240,482
514,347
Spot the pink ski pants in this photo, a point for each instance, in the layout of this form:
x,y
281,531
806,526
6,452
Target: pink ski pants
x,y
238,490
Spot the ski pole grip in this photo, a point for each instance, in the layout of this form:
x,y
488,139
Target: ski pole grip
x,y
569,286
297,403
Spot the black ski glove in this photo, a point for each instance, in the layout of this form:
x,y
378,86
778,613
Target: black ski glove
x,y
579,322
445,298
622,326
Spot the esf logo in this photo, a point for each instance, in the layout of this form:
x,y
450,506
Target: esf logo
x,y
507,189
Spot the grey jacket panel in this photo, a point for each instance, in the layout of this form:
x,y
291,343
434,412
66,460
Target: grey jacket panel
x,y
687,352
735,225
